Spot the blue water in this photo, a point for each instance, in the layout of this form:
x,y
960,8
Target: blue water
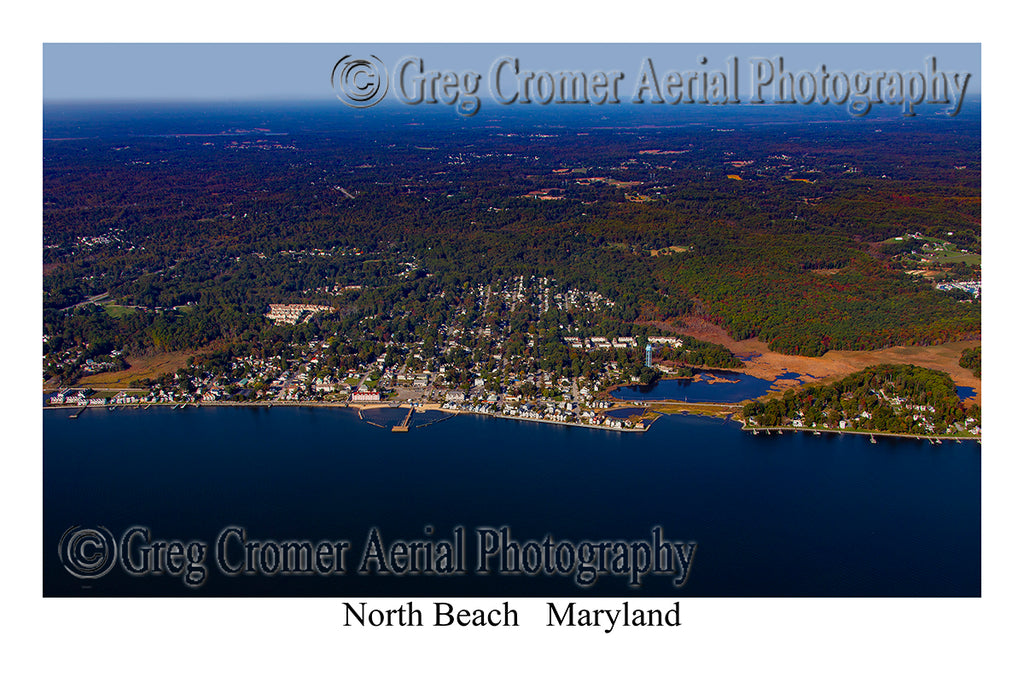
x,y
792,515
625,412
392,417
737,387
731,391
964,393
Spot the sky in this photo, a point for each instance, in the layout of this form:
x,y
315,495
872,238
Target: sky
x,y
302,71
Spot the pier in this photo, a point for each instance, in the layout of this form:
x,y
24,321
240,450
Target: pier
x,y
404,427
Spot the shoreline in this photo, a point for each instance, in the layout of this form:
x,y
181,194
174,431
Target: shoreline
x,y
180,405
697,377
818,431
431,406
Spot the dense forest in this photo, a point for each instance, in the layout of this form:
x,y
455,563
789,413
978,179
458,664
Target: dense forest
x,y
971,359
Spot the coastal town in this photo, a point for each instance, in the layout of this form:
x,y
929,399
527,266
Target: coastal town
x,y
504,277
523,348
513,381
488,369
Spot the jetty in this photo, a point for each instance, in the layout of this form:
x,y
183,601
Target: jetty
x,y
447,416
404,427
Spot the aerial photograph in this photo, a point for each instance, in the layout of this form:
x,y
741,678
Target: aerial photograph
x,y
512,320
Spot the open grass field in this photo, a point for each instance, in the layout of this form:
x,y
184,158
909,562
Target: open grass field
x,y
949,257
939,253
144,367
115,311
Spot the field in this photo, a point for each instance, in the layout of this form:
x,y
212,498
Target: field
x,y
115,311
941,253
144,367
674,249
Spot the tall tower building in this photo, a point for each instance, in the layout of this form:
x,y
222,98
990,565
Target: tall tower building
x,y
649,350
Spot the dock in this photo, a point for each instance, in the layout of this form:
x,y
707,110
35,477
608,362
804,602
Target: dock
x,y
404,427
